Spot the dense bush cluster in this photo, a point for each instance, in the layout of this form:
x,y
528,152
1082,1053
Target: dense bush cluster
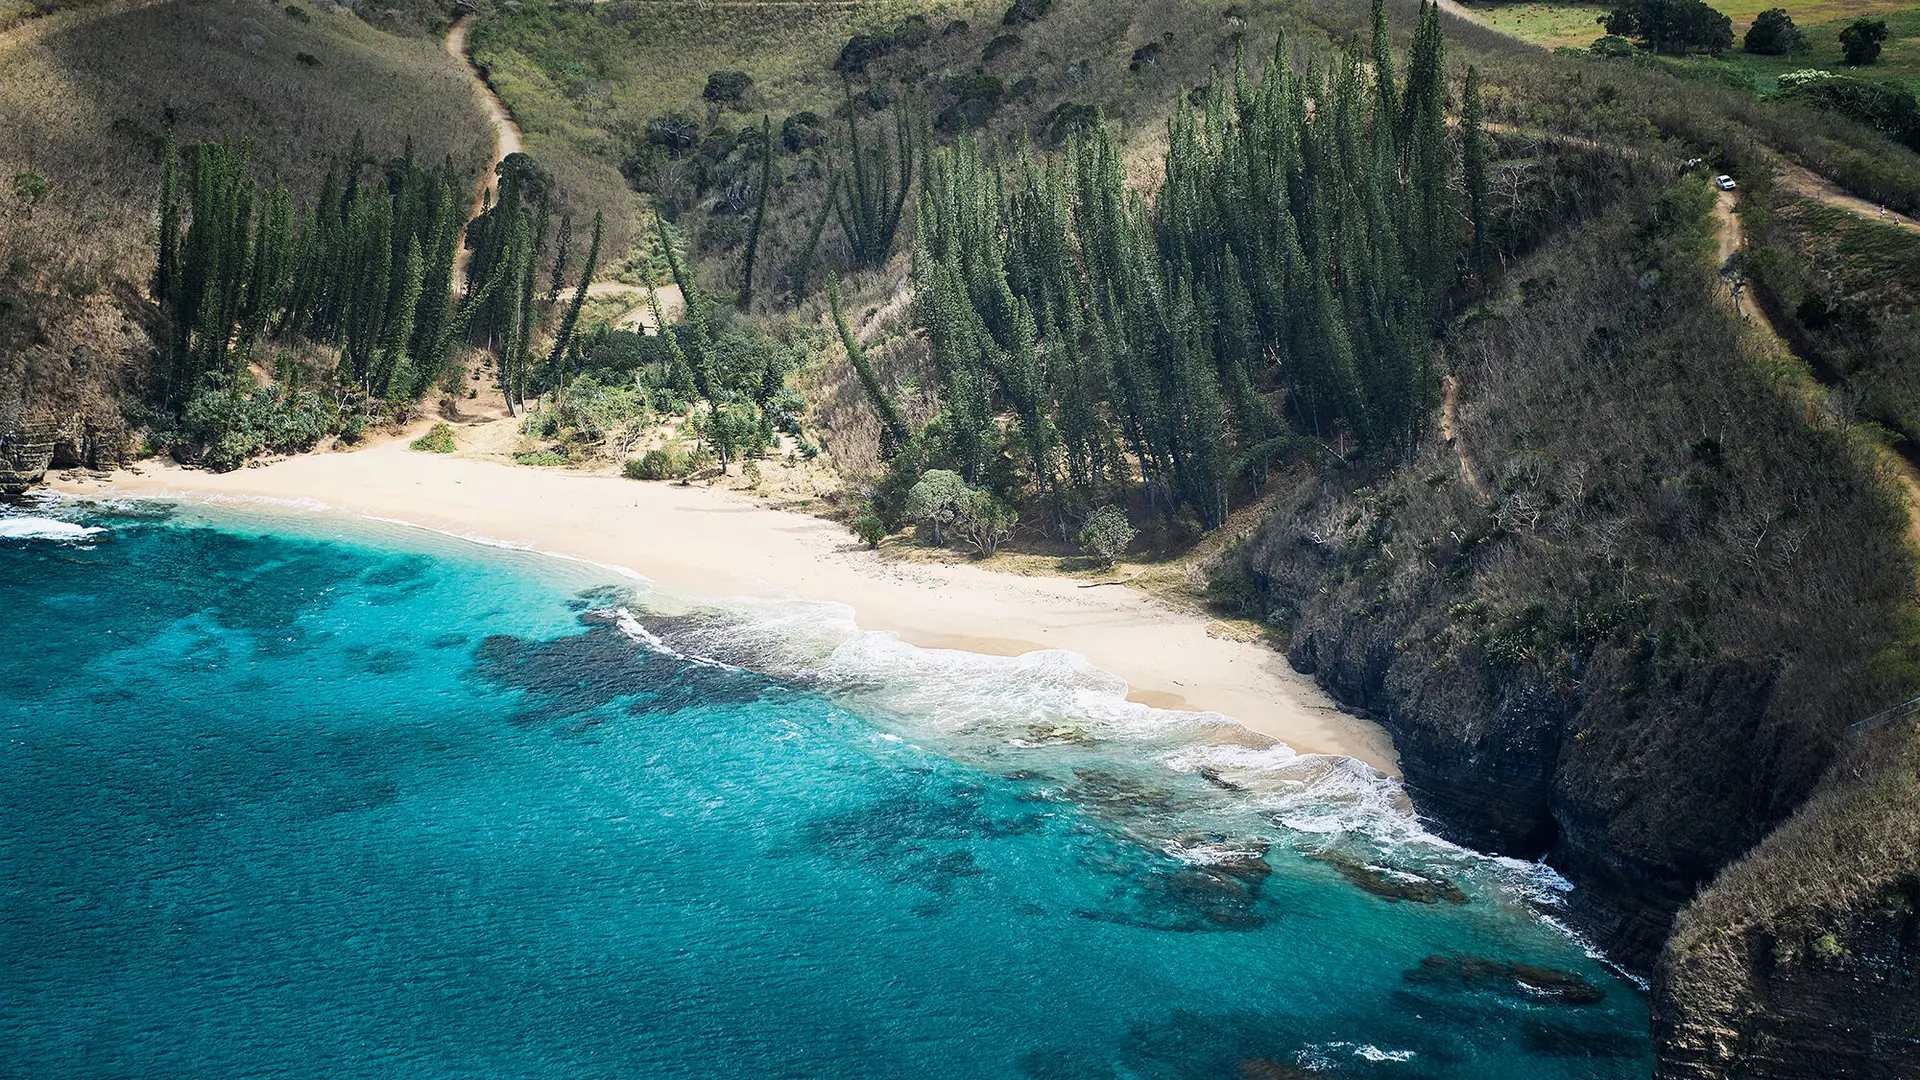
x,y
1886,107
232,425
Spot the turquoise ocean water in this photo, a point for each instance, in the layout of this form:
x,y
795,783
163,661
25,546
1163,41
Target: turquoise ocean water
x,y
285,794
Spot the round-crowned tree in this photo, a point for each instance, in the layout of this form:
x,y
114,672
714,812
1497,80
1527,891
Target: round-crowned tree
x,y
1106,534
1773,34
1861,40
727,87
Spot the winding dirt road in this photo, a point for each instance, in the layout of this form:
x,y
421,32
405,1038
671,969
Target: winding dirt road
x,y
506,133
507,140
1795,178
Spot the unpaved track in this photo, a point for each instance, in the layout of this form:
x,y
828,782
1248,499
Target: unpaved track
x,y
1728,231
506,134
1809,184
639,317
1795,178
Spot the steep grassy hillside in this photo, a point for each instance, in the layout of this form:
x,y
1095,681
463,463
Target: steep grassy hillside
x,y
86,96
614,95
1845,289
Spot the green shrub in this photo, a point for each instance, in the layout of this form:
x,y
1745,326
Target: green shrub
x,y
1887,108
1793,79
986,523
727,87
599,419
938,499
541,458
1106,534
913,32
999,47
1026,11
803,130
234,425
1613,46
1861,40
664,464
438,440
861,50
869,528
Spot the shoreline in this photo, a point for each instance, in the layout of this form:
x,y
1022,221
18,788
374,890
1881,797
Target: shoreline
x,y
713,543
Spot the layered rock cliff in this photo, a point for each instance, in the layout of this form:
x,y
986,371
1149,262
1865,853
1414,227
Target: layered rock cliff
x,y
1803,959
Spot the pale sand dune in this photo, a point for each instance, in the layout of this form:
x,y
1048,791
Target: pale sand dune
x,y
698,541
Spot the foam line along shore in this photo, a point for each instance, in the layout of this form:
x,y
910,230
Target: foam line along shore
x,y
702,542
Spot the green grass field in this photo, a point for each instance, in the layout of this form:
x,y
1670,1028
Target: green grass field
x,y
1554,25
1899,57
1576,26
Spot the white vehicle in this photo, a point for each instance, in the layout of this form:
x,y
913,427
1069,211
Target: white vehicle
x,y
1724,182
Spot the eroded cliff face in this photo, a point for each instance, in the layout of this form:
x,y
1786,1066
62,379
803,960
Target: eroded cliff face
x,y
1802,959
1621,617
1516,768
1839,999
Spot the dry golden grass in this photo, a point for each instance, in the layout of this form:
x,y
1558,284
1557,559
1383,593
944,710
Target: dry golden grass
x,y
86,92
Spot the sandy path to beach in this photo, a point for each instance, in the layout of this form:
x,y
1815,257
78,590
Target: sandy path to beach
x,y
704,542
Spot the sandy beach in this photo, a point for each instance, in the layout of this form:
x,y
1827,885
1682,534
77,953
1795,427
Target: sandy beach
x,y
705,542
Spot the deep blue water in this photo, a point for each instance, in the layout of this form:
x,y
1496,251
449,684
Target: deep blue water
x,y
288,795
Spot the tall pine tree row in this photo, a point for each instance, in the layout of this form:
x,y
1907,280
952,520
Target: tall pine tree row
x,y
1281,289
368,269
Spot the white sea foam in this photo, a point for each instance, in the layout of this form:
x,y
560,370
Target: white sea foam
x,y
39,528
1323,1057
629,625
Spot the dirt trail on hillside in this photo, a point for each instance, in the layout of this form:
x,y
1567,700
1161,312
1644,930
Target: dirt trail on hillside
x,y
1795,178
639,317
1809,184
1728,232
506,133
1450,431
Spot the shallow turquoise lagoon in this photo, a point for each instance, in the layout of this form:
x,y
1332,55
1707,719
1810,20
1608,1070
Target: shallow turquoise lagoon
x,y
292,795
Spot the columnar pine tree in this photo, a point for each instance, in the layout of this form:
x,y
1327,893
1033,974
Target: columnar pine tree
x,y
564,335
893,430
1277,297
879,182
367,269
561,244
745,297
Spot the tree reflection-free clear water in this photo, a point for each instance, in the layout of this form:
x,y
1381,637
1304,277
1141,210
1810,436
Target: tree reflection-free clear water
x,y
293,796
